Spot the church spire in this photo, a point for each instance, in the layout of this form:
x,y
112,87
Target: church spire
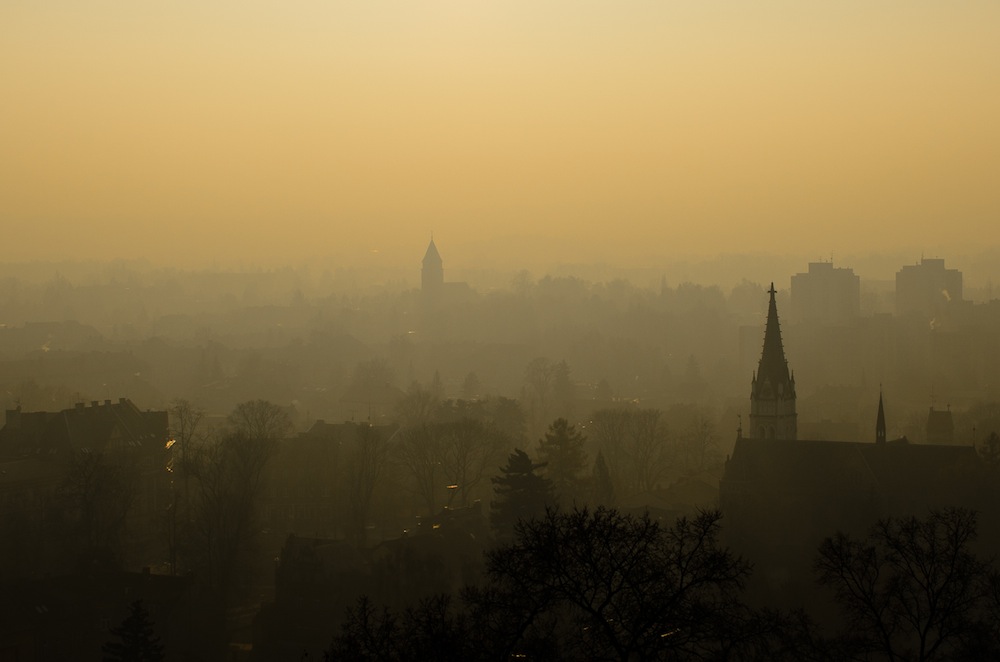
x,y
772,390
773,366
880,421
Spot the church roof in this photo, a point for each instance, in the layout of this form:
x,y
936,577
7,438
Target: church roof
x,y
432,256
773,368
811,467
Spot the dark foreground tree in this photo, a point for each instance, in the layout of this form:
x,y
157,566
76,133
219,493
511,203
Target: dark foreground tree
x,y
429,631
584,585
913,589
623,587
134,639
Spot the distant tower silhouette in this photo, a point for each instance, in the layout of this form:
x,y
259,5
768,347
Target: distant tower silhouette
x,y
432,273
880,421
772,391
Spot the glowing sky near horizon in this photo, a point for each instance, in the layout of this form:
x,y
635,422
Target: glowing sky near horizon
x,y
197,131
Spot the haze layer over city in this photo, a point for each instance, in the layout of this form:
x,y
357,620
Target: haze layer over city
x,y
249,133
491,331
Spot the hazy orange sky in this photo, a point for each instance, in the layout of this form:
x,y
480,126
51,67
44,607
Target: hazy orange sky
x,y
185,131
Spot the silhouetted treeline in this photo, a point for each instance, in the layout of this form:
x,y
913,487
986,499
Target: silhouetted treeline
x,y
599,585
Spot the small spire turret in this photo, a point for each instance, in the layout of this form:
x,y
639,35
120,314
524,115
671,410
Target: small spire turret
x,y
880,421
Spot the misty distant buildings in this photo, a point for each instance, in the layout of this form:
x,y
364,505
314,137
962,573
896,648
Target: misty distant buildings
x,y
826,295
772,389
927,288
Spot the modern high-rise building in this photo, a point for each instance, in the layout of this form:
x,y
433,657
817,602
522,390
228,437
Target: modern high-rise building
x,y
927,288
826,294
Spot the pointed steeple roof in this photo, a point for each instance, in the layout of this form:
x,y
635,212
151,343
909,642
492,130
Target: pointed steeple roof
x,y
773,368
880,421
432,257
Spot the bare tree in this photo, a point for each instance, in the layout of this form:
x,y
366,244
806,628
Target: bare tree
x,y
227,476
417,407
96,496
912,589
628,588
453,454
185,420
695,442
368,460
260,419
420,455
635,446
470,449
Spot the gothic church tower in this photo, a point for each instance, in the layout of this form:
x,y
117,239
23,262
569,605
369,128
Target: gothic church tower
x,y
772,391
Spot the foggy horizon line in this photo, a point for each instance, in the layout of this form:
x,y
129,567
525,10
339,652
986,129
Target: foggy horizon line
x,y
979,267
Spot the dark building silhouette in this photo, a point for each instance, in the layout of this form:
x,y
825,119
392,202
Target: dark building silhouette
x,y
927,288
772,390
782,496
826,295
39,450
101,427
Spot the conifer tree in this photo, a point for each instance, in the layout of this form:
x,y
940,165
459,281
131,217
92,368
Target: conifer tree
x,y
135,641
520,493
562,452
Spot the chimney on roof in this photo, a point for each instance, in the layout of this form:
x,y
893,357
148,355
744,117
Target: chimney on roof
x,y
107,403
79,406
121,401
93,403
